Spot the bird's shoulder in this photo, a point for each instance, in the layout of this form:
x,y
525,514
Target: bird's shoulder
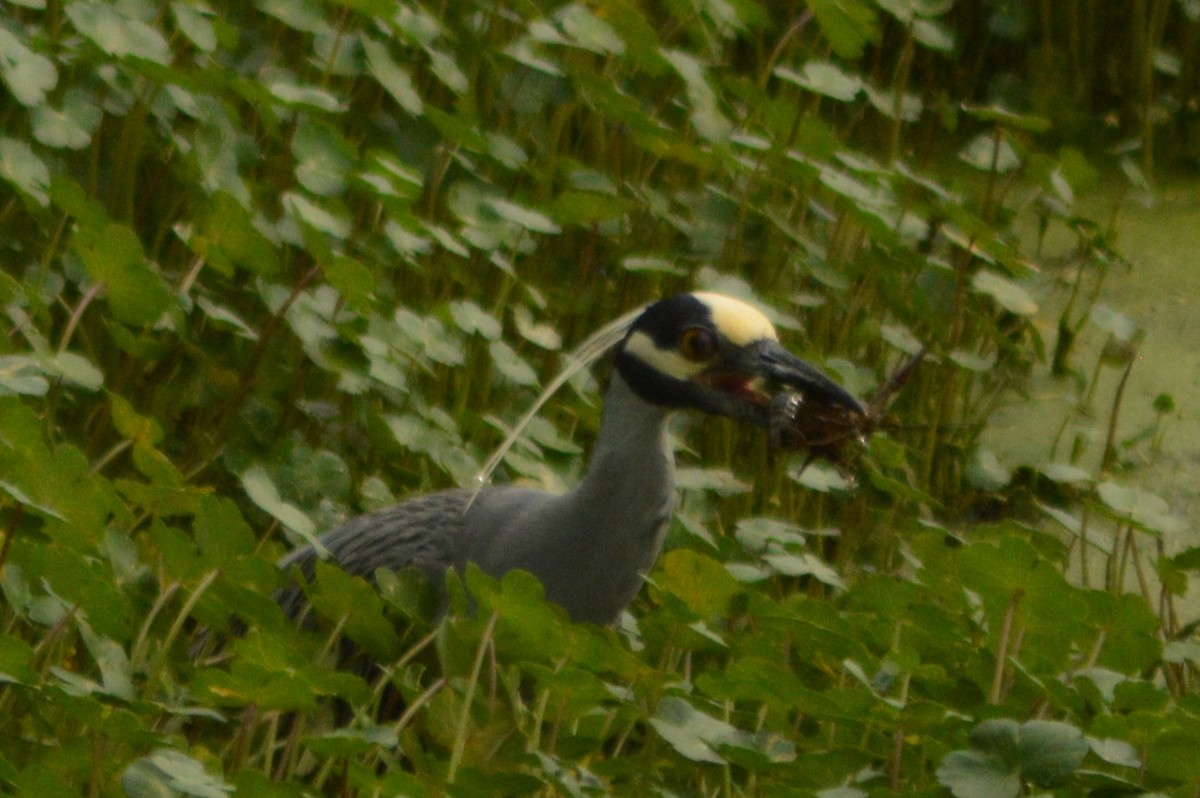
x,y
433,531
420,531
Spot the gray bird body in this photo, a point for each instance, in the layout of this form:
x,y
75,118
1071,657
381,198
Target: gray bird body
x,y
591,545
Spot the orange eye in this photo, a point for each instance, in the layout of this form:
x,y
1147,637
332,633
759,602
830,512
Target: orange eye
x,y
698,343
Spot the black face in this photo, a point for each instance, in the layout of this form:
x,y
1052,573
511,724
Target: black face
x,y
718,356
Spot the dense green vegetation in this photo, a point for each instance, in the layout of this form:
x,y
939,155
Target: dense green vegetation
x,y
268,265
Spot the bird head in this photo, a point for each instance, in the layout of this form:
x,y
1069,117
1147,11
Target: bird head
x,y
719,355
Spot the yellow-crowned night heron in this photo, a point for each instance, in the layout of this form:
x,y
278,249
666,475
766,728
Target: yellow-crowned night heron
x,y
591,545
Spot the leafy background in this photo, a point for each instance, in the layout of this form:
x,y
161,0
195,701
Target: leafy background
x,y
268,265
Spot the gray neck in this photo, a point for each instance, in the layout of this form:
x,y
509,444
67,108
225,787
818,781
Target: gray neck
x,y
632,466
591,545
618,513
629,488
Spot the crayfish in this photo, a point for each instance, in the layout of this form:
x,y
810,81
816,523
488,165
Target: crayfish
x,y
832,432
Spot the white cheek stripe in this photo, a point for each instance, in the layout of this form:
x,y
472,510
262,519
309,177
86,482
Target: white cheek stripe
x,y
739,322
666,361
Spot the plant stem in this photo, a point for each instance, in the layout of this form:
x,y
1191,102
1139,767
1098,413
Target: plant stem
x,y
184,613
10,534
464,718
1110,452
417,703
138,650
93,291
995,695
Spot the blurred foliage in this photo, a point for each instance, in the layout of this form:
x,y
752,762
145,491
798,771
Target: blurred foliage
x,y
268,265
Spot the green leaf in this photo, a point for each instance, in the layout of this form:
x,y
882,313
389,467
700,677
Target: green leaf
x,y
975,774
117,34
823,78
472,319
511,365
1113,322
1172,753
1005,292
24,499
702,583
718,480
542,335
986,153
431,338
221,532
691,733
646,263
75,369
1181,651
443,447
352,742
804,564
28,75
1145,510
447,71
169,772
706,115
21,375
394,79
262,491
116,676
302,15
1065,473
1049,751
315,216
532,220
1117,752
355,604
933,35
1002,116
143,780
72,126
849,25
231,237
529,628
1045,752
589,31
352,279
195,22
225,316
1188,559
906,107
24,170
393,177
410,591
851,188
37,780
139,429
313,475
323,157
295,94
971,361
16,658
820,477
586,207
757,534
986,472
113,255
461,129
524,52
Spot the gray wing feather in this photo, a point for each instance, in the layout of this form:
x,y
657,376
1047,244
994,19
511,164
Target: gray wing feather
x,y
424,532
